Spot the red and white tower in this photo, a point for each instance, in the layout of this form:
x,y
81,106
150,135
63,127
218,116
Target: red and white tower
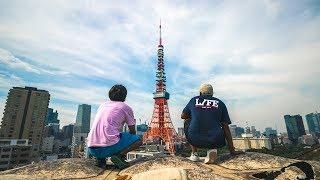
x,y
161,127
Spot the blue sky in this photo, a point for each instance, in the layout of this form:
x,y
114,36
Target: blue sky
x,y
262,57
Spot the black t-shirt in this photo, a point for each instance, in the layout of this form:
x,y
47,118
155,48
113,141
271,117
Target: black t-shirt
x,y
207,113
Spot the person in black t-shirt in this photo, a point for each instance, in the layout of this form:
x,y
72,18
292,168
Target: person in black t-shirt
x,y
206,124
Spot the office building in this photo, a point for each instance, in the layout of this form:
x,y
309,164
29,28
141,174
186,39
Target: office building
x,y
83,119
247,130
253,130
67,131
51,117
78,144
141,129
295,127
307,139
14,153
47,145
239,131
24,116
269,132
313,122
247,141
125,128
52,129
181,132
233,130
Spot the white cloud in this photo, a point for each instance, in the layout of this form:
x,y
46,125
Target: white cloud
x,y
8,59
249,51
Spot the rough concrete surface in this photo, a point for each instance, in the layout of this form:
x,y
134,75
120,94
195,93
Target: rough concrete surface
x,y
226,167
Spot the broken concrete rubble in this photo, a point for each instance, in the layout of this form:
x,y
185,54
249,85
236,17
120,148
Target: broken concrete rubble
x,y
226,167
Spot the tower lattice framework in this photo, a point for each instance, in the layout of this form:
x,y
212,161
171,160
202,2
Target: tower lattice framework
x,y
161,127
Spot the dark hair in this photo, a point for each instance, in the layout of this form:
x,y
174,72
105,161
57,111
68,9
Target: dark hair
x,y
118,93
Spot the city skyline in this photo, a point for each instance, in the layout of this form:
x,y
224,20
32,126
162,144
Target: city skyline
x,y
260,56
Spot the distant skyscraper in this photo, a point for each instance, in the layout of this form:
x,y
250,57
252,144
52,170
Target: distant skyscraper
x,y
295,127
83,118
181,132
270,132
313,122
52,117
239,131
24,116
253,130
68,131
141,129
247,130
233,130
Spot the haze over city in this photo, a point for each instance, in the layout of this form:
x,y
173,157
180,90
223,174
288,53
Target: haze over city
x,y
260,56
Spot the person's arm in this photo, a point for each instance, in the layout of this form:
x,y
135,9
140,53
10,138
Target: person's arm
x,y
185,116
186,112
132,129
228,137
131,122
225,121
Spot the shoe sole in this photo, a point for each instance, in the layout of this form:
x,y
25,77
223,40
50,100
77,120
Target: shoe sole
x,y
211,157
194,160
120,163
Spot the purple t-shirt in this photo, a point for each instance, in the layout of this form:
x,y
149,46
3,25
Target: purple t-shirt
x,y
108,123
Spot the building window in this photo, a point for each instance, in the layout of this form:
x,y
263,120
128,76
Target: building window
x,y
5,156
6,149
24,149
4,162
24,155
23,161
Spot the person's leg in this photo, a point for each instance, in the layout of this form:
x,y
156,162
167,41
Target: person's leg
x,y
97,152
132,147
127,142
194,149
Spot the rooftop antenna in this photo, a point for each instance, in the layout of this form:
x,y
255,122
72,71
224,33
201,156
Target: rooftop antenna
x,y
160,39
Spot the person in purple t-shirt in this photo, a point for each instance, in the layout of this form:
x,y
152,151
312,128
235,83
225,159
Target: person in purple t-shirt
x,y
105,138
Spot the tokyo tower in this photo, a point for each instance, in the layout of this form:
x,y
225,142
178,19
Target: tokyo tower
x,y
161,127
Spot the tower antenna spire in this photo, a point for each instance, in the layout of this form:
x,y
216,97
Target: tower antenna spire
x,y
160,39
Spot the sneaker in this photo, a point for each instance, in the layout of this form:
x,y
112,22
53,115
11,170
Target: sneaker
x,y
194,157
101,163
211,156
119,162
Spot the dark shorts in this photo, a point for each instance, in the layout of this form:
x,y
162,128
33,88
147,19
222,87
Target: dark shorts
x,y
203,141
126,139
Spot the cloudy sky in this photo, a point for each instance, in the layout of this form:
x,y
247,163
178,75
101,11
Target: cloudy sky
x,y
262,57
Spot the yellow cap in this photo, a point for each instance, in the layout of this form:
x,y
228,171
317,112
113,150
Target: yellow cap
x,y
206,89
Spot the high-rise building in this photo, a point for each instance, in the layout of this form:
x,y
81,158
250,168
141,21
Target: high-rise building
x,y
52,117
247,130
52,129
270,132
14,153
313,122
181,132
24,116
295,127
233,130
83,119
68,131
239,131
